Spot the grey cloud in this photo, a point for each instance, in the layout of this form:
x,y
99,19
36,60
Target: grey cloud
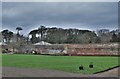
x,y
60,0
0,15
80,14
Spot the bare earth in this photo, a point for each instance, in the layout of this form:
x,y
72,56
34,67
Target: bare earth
x,y
28,72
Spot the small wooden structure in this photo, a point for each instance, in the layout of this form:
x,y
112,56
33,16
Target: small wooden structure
x,y
91,65
81,67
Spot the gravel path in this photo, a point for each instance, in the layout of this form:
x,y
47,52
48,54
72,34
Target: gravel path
x,y
28,72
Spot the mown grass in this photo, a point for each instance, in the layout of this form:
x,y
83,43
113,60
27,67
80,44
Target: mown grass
x,y
63,63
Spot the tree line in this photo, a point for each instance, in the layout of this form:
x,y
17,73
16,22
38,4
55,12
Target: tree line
x,y
56,35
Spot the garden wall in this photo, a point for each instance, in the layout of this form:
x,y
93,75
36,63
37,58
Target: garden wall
x,y
79,49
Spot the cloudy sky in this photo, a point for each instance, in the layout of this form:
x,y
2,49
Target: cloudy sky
x,y
81,15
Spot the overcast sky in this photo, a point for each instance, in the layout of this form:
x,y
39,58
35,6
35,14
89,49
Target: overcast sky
x,y
81,15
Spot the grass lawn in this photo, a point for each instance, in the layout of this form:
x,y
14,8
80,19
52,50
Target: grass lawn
x,y
63,63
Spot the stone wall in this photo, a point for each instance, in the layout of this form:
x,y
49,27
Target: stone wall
x,y
79,49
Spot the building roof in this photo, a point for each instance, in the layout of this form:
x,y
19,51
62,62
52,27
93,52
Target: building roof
x,y
42,43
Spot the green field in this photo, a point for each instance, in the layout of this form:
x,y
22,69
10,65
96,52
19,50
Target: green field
x,y
63,63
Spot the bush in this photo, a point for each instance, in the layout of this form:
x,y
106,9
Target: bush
x,y
4,51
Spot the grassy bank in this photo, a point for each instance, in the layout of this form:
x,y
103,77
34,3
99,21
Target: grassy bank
x,y
63,63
